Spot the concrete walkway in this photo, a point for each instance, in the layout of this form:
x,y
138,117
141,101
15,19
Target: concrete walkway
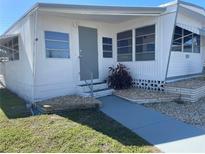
x,y
166,133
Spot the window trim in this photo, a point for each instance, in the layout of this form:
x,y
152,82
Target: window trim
x,y
155,39
57,58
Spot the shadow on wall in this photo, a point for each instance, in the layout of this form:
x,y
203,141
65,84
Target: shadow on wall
x,y
12,106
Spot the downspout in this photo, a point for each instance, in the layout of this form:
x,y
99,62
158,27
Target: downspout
x,y
170,50
34,53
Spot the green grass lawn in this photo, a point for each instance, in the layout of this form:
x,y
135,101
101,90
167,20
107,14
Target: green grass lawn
x,y
76,131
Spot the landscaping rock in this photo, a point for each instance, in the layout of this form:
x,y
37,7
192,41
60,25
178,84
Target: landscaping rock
x,y
191,113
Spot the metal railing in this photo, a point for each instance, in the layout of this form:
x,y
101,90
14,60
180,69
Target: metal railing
x,y
90,85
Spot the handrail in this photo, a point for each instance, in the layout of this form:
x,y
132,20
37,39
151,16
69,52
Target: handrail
x,y
90,86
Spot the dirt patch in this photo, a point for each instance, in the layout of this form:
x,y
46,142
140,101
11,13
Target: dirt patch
x,y
64,103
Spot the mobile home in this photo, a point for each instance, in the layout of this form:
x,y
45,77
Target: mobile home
x,y
54,48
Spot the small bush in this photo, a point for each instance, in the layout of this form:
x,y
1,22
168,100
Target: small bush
x,y
119,77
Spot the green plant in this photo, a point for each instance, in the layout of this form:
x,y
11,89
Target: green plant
x,y
119,77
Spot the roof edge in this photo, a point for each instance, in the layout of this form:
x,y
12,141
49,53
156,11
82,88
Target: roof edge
x,y
191,4
36,5
54,5
102,7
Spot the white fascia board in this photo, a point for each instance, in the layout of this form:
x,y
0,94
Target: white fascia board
x,y
112,13
101,10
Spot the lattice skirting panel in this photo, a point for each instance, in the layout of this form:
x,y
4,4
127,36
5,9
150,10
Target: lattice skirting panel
x,y
153,85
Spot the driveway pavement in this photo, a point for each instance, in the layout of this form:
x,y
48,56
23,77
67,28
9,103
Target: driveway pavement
x,y
166,133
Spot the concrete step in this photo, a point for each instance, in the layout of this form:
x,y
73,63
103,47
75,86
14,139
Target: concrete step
x,y
96,86
98,93
95,83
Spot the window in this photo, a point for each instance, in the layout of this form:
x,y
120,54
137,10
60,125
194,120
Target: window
x,y
124,46
57,45
145,43
12,48
185,41
107,47
196,43
177,43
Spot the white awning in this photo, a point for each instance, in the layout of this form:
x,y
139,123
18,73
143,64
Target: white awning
x,y
6,38
189,28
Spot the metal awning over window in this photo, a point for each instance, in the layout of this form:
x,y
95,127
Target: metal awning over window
x,y
199,31
189,28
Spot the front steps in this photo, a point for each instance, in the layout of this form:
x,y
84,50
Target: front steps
x,y
100,89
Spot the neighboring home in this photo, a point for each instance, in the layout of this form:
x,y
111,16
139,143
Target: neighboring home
x,y
54,48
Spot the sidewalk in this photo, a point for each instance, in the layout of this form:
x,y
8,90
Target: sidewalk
x,y
166,133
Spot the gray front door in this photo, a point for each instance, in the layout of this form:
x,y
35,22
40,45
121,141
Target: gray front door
x,y
88,53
